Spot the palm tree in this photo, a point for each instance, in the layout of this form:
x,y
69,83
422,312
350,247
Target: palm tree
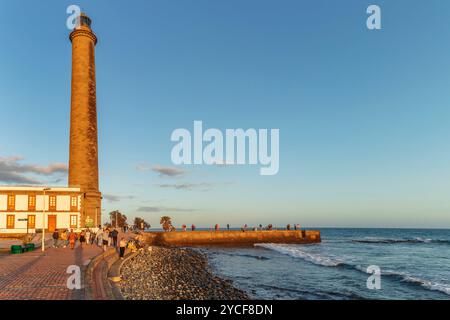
x,y
166,223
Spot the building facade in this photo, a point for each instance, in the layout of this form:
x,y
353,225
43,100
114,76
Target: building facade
x,y
27,210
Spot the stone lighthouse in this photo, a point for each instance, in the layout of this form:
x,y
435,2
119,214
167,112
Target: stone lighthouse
x,y
83,154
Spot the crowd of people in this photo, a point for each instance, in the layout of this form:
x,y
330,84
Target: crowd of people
x,y
109,237
244,227
103,237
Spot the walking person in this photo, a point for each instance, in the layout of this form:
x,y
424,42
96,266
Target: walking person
x,y
99,237
72,239
114,234
122,246
288,227
105,237
109,237
193,227
88,236
228,226
64,239
216,227
82,239
55,237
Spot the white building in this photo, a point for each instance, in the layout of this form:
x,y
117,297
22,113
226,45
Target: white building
x,y
25,210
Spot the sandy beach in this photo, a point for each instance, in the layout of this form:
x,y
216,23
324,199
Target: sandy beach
x,y
168,273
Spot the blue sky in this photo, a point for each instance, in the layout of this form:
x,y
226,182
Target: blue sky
x,y
363,115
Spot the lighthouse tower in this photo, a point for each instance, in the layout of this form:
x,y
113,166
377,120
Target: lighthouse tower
x,y
83,154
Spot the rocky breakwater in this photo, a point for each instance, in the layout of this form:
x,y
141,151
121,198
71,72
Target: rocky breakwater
x,y
166,273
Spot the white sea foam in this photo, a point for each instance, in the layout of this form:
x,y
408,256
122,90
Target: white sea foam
x,y
296,252
400,240
427,284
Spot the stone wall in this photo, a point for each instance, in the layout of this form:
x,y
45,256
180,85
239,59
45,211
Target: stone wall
x,y
231,238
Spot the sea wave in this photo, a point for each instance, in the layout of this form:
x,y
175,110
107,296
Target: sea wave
x,y
297,253
400,240
318,294
430,285
235,254
321,260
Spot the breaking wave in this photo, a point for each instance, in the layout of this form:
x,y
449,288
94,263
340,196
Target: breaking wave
x,y
297,253
403,240
320,260
430,285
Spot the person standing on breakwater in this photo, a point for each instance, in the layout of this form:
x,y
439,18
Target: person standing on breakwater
x,y
228,226
193,227
183,227
288,227
122,246
216,227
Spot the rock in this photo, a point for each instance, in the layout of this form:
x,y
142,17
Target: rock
x,y
171,273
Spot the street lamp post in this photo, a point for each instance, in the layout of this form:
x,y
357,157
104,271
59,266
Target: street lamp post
x,y
43,220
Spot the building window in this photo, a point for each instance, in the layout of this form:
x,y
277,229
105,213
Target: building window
x,y
11,202
73,221
31,221
31,203
73,203
52,203
10,219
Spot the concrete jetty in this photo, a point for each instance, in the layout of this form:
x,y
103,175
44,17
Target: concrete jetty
x,y
231,238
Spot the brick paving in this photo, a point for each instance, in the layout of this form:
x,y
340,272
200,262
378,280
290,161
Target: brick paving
x,y
41,275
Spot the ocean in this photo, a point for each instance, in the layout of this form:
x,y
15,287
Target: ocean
x,y
414,264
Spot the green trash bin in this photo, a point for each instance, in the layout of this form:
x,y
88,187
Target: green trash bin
x,y
16,249
29,247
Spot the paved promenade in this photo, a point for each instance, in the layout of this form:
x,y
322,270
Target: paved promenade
x,y
41,275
